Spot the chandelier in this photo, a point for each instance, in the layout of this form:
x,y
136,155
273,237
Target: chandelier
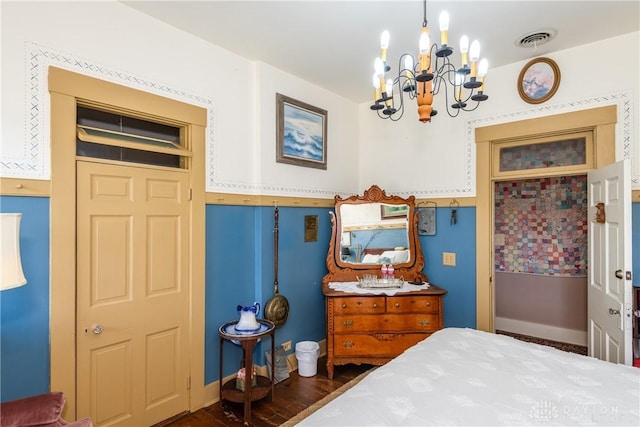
x,y
431,74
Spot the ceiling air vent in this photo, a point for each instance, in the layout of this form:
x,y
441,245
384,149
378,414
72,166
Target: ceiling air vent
x,y
536,38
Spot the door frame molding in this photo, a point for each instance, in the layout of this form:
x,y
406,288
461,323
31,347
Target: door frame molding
x,y
66,88
600,121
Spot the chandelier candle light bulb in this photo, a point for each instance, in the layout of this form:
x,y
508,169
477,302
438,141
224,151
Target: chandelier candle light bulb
x,y
474,56
459,80
483,66
384,45
408,66
464,51
423,46
389,87
444,27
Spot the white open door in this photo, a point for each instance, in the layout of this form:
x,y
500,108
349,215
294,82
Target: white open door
x,y
609,292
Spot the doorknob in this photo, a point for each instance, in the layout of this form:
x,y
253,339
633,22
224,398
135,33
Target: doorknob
x,y
97,329
623,275
613,311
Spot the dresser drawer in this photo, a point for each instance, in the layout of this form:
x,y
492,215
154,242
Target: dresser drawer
x,y
357,305
375,345
386,323
413,304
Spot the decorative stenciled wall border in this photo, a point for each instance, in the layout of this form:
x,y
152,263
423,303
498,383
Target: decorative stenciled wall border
x,y
624,137
35,161
624,130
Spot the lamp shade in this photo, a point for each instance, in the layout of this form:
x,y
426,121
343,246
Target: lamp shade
x,y
11,274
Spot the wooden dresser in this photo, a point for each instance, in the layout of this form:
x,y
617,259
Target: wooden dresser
x,y
374,328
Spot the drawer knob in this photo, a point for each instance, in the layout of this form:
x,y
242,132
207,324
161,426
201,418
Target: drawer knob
x,y
397,304
424,322
347,344
348,323
375,305
344,305
428,304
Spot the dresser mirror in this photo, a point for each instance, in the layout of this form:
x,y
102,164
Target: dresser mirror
x,y
371,230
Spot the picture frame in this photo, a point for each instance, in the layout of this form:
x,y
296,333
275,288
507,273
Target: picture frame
x,y
393,211
539,80
427,219
301,133
311,228
345,238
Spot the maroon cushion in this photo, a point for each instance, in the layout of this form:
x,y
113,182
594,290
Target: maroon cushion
x,y
40,410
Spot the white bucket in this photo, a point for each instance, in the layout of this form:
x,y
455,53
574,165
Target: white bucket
x,y
307,353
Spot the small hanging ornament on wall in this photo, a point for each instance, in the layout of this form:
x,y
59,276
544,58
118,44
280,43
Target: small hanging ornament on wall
x,y
454,205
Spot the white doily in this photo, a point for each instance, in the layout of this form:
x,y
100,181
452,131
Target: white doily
x,y
352,287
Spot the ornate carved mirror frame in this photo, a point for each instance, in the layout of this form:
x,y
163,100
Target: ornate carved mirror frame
x,y
341,271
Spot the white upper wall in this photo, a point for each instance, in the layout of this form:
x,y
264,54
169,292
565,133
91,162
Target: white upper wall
x,y
110,41
113,42
438,158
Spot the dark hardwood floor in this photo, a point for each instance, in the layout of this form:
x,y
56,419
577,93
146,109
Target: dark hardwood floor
x,y
296,394
291,397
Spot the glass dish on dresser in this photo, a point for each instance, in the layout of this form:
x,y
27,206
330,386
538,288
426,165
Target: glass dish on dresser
x,y
373,281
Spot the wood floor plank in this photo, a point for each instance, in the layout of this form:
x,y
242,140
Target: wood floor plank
x,y
290,398
294,396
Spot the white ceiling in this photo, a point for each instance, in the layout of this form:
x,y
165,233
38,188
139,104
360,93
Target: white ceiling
x,y
333,43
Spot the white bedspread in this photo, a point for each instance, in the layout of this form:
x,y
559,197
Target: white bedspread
x,y
464,377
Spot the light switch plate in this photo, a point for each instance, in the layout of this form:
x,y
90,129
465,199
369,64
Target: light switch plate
x,y
449,259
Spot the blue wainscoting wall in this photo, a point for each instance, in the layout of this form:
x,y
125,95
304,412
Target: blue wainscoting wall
x,y
24,311
459,281
239,270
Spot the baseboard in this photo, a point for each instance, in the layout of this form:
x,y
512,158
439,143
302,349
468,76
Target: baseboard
x,y
539,330
212,390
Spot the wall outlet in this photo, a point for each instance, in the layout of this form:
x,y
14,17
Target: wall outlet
x,y
449,258
286,346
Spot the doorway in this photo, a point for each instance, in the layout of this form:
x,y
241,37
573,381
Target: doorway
x,y
598,122
540,272
132,299
69,90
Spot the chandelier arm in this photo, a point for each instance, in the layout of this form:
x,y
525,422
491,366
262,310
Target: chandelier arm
x,y
397,94
451,75
446,100
471,109
433,50
447,104
403,71
441,74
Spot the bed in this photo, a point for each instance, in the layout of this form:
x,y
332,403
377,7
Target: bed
x,y
385,256
465,377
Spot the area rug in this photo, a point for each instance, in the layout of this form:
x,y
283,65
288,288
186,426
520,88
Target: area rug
x,y
572,348
320,403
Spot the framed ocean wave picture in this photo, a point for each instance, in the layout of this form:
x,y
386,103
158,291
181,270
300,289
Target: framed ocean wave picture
x,y
301,133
